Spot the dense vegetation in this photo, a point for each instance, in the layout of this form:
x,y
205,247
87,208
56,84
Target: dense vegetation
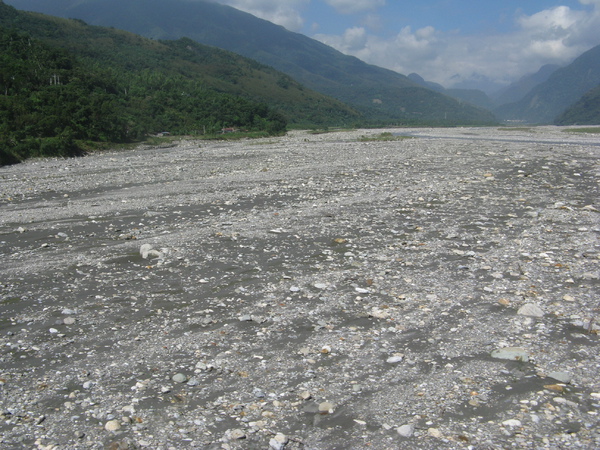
x,y
584,112
64,84
383,96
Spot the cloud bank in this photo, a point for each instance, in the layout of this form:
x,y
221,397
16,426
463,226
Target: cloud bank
x,y
451,58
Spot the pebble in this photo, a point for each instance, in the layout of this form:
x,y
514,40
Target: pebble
x,y
395,359
406,430
434,432
234,435
512,353
112,425
326,408
563,377
147,252
531,310
514,423
278,442
179,378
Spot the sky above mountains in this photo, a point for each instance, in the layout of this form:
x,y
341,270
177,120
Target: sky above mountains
x,y
458,43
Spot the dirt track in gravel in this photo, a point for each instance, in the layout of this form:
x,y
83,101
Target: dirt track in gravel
x,y
309,291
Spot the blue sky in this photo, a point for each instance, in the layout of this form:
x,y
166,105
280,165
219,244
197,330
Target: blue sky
x,y
459,43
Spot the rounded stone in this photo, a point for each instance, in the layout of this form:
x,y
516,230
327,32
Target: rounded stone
x,y
179,378
112,425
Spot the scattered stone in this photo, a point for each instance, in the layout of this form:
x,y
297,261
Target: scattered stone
x,y
531,310
437,264
513,423
563,377
147,252
326,408
305,395
179,378
395,359
234,435
112,425
434,432
278,442
406,430
512,353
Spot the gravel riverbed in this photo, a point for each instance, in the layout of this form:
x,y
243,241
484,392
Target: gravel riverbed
x,y
314,291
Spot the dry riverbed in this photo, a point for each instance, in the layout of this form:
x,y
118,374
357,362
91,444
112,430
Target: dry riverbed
x,y
305,292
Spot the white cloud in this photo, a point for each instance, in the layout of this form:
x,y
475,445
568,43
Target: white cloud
x,y
556,35
354,6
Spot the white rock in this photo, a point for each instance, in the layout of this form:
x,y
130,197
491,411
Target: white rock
x,y
531,310
406,430
434,432
112,425
512,423
179,378
278,442
512,353
326,408
147,251
395,359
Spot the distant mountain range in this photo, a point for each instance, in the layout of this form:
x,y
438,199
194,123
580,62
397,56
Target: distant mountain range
x,y
381,95
586,111
551,98
519,89
472,96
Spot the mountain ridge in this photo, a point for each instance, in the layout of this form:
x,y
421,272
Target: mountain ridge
x,y
565,86
381,94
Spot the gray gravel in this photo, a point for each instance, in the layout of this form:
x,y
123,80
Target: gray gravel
x,y
305,292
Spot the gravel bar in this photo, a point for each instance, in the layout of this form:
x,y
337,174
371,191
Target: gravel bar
x,y
312,291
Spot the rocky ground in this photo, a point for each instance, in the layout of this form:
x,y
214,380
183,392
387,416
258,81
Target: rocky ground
x,y
305,292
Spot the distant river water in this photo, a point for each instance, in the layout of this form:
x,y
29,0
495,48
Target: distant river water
x,y
594,143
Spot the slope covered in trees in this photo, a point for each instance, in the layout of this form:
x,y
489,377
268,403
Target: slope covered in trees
x,y
584,112
381,95
63,82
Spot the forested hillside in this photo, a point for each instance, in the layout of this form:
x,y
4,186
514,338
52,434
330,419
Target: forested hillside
x,y
63,83
381,95
584,112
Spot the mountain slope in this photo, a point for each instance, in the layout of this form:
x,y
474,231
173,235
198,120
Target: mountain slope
x,y
381,94
545,102
519,89
209,67
586,111
473,96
